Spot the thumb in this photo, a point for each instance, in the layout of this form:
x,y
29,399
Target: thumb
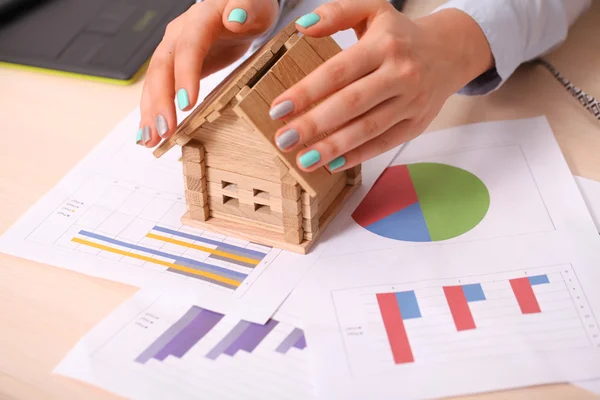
x,y
250,17
340,15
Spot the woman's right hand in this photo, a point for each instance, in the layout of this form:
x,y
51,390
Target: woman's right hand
x,y
206,38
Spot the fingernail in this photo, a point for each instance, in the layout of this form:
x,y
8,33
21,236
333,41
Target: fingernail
x,y
237,15
138,137
310,158
182,99
287,139
161,125
281,109
146,135
308,20
337,163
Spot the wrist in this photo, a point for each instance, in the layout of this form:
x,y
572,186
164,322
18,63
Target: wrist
x,y
460,43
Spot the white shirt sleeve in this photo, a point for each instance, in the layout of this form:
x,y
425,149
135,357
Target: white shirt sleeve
x,y
517,31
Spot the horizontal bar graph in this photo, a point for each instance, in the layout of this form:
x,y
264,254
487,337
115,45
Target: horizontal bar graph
x,y
195,324
217,274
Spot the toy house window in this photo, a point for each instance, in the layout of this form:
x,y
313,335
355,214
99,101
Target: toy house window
x,y
231,201
261,208
261,194
229,186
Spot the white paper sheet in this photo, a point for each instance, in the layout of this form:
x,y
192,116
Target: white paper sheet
x,y
158,346
529,306
591,194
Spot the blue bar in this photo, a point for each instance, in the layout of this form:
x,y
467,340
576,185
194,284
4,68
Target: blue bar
x,y
407,301
257,255
473,292
538,279
184,262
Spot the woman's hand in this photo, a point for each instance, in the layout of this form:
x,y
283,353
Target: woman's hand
x,y
384,90
206,38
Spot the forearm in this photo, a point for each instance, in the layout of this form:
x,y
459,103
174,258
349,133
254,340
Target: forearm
x,y
517,31
458,41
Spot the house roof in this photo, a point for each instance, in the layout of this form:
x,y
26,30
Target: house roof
x,y
227,90
252,87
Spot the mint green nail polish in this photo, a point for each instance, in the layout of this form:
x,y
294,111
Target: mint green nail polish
x,y
138,138
310,158
337,163
308,20
182,99
237,15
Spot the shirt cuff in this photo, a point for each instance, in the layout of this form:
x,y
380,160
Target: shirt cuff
x,y
516,32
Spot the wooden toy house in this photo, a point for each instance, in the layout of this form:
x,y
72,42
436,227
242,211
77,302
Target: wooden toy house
x,y
237,181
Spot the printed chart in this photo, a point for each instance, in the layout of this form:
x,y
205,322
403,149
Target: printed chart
x,y
423,202
433,322
140,228
160,346
466,195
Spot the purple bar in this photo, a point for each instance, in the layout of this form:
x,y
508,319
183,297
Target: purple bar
x,y
195,331
231,337
301,343
190,334
251,337
168,336
289,341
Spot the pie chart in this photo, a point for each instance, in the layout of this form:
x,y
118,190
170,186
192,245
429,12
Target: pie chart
x,y
423,202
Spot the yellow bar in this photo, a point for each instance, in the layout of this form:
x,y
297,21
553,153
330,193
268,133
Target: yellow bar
x,y
212,276
206,249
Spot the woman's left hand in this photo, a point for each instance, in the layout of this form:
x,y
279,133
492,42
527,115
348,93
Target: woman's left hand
x,y
384,90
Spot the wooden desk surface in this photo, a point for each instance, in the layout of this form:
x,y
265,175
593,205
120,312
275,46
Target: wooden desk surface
x,y
47,124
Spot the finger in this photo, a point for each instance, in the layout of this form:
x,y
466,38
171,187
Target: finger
x,y
344,106
249,17
203,25
400,133
339,15
356,133
158,92
333,75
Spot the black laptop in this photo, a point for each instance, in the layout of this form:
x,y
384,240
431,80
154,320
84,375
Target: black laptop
x,y
101,39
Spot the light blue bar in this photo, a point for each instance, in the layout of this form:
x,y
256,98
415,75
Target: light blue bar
x,y
538,279
257,255
473,292
184,262
407,301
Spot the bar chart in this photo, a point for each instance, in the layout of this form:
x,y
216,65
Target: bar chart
x,y
140,227
541,309
197,322
165,346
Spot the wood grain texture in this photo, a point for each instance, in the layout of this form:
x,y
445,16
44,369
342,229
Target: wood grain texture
x,y
71,304
243,181
255,111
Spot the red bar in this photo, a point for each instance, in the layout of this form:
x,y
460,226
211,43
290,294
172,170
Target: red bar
x,y
525,296
394,326
459,307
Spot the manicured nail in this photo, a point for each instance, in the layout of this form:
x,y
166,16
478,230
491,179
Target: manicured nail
x,y
237,15
337,163
287,139
182,99
161,125
282,109
138,138
310,158
308,20
146,135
